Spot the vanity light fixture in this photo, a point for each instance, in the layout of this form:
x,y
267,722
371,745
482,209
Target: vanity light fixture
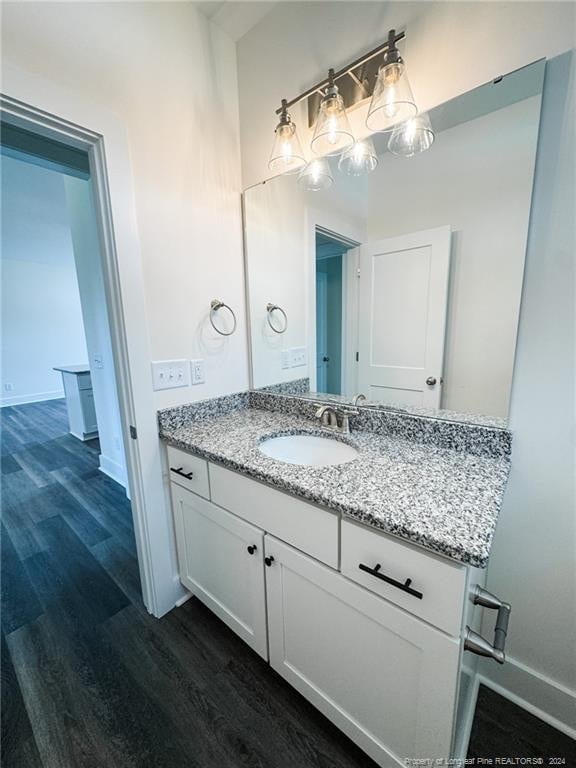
x,y
332,133
392,100
359,158
287,155
413,136
316,175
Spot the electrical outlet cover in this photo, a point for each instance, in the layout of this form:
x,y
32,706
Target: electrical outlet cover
x,y
285,358
197,368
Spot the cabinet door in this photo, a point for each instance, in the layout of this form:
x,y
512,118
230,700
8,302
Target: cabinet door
x,y
217,566
88,410
384,677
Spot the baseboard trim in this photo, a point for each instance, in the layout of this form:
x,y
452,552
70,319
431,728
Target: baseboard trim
x,y
183,599
114,470
525,686
38,397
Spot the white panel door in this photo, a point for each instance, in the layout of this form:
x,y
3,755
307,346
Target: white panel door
x,y
402,317
220,558
384,677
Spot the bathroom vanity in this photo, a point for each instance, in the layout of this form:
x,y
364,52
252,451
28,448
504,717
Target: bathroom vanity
x,y
354,580
382,314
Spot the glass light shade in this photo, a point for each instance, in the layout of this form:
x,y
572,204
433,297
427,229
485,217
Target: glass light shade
x,y
287,155
358,159
392,100
316,175
413,136
332,132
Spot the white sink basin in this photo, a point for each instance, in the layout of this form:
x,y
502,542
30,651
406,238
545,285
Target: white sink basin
x,y
310,450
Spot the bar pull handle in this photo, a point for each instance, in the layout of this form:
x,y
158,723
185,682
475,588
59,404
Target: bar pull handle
x,y
403,585
476,643
180,471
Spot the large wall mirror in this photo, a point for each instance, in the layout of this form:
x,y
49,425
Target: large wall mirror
x,y
403,284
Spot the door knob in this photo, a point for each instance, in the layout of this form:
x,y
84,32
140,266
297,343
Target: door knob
x,y
431,380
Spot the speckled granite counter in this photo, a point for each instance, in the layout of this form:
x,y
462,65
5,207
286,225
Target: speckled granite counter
x,y
443,499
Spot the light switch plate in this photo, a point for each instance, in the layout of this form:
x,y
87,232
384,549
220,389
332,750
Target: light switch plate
x,y
168,374
285,356
298,357
197,368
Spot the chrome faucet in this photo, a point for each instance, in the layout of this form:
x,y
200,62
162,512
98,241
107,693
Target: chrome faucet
x,y
335,419
358,398
328,417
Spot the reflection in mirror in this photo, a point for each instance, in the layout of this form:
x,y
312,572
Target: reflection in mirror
x,y
403,284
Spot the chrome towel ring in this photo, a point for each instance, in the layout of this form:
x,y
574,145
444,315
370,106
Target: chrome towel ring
x,y
275,308
215,305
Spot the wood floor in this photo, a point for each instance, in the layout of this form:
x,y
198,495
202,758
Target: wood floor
x,y
89,679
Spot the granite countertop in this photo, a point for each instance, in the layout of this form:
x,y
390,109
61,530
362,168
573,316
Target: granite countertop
x,y
443,499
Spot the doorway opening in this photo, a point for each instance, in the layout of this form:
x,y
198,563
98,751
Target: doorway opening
x,y
69,469
335,298
56,331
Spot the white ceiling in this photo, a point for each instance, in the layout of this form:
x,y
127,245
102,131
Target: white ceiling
x,y
236,18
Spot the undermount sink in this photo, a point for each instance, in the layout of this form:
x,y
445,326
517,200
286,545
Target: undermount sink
x,y
309,450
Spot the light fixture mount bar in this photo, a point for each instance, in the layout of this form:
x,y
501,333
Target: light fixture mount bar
x,y
393,38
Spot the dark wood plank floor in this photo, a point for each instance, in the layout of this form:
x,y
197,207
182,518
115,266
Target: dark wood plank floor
x,y
90,679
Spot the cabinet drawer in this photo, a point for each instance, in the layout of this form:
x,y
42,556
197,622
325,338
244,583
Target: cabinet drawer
x,y
307,527
181,464
440,583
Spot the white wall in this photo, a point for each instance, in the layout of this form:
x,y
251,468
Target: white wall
x,y
87,256
477,178
281,219
450,48
170,76
533,563
160,80
277,249
41,315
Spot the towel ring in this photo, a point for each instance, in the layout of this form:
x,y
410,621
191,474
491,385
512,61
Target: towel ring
x,y
273,308
215,305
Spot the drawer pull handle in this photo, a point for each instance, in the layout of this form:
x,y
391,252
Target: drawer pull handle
x,y
404,586
252,548
269,560
180,471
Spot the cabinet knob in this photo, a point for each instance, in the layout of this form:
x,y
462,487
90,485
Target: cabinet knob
x,y
252,548
269,560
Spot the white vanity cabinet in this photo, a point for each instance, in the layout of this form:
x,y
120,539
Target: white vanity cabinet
x,y
387,679
380,662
